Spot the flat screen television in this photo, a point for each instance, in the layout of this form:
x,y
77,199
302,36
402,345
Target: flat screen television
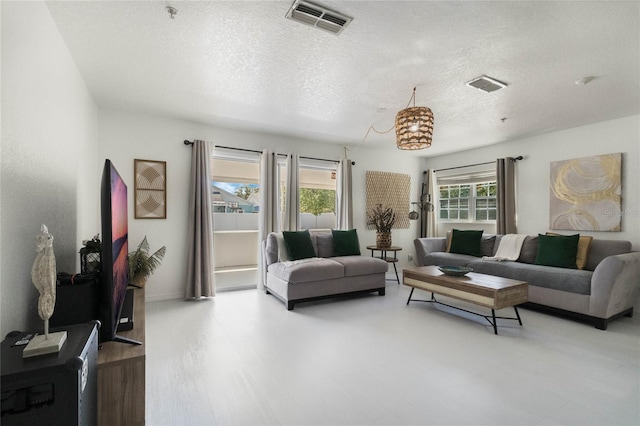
x,y
115,248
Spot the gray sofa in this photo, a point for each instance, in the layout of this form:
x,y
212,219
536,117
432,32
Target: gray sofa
x,y
319,277
605,289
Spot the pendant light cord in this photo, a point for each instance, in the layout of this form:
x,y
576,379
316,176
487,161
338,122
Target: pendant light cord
x,y
383,132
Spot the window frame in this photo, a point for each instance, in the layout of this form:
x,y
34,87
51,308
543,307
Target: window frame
x,y
324,166
471,202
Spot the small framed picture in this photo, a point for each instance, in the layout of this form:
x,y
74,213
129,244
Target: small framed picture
x,y
150,189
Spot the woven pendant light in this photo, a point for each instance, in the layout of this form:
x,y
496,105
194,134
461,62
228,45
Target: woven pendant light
x,y
414,127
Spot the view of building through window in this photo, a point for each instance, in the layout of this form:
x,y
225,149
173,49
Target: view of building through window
x,y
235,199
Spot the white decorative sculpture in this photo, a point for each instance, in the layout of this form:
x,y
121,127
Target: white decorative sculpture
x,y
43,275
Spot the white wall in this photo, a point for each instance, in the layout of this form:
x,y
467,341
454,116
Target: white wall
x,y
621,135
385,161
49,170
125,136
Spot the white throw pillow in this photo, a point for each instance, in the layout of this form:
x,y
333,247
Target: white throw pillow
x,y
283,253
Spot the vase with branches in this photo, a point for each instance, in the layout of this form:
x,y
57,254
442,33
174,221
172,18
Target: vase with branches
x,y
142,264
383,219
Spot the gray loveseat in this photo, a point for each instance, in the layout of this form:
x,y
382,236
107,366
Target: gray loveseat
x,y
319,277
605,289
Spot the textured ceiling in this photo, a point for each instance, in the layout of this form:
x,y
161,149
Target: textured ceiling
x,y
241,64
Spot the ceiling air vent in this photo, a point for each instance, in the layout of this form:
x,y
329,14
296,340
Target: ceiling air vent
x,y
318,16
486,84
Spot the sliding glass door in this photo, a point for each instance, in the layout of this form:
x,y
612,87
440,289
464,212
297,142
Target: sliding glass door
x,y
235,191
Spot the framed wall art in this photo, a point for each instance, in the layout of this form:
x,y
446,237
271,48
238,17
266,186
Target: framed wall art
x,y
585,194
150,189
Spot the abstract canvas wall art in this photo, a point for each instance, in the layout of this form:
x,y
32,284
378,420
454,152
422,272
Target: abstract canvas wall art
x,y
585,193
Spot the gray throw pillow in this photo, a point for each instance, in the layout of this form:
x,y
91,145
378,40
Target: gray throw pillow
x,y
529,250
486,245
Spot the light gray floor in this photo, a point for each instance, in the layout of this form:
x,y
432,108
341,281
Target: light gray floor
x,y
243,359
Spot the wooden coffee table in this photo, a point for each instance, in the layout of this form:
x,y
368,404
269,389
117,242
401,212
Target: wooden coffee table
x,y
483,290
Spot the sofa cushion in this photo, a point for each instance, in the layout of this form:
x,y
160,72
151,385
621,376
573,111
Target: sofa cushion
x,y
325,244
271,248
487,245
283,253
361,265
569,280
307,270
600,249
584,243
557,250
466,242
299,244
345,243
529,249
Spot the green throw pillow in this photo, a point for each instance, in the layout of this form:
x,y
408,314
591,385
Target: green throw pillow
x,y
298,244
345,243
466,242
557,250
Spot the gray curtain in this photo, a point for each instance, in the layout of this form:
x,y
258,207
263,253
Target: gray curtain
x,y
200,270
344,202
506,197
269,205
291,220
430,217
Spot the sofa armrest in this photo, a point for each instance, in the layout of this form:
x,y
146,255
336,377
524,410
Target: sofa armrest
x,y
615,285
424,246
263,265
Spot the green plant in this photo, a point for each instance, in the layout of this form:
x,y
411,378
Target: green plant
x,y
142,264
245,191
317,201
381,218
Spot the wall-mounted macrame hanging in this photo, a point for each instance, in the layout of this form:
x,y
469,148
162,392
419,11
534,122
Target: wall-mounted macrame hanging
x,y
390,190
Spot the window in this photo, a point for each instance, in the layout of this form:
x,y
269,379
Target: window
x,y
472,202
485,201
454,202
317,194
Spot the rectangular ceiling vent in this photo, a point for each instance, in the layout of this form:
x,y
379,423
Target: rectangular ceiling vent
x,y
486,84
317,16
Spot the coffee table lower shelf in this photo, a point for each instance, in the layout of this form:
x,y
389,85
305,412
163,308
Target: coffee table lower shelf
x,y
491,319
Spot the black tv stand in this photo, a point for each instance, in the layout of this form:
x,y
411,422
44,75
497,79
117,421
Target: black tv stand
x,y
121,339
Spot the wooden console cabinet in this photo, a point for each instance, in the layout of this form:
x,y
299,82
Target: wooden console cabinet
x,y
121,374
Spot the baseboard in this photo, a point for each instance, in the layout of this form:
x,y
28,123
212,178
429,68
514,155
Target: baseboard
x,y
162,297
